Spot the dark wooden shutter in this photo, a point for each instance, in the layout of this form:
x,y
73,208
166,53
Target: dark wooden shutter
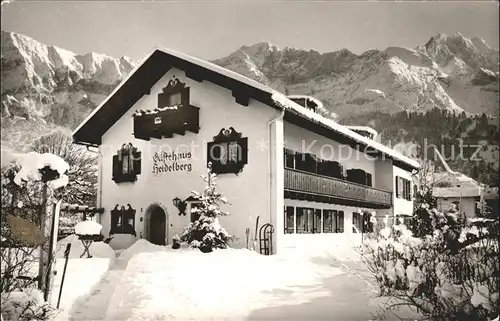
x,y
117,169
213,154
185,96
317,221
397,186
137,161
341,221
243,147
350,175
368,179
115,217
299,161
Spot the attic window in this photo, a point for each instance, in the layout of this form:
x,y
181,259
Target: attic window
x,y
157,120
174,94
126,164
175,99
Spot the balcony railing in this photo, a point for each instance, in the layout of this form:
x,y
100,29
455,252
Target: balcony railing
x,y
161,123
304,182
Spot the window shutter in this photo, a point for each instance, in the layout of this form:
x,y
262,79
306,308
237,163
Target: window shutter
x,y
116,167
115,218
243,144
397,186
341,221
185,97
368,179
137,162
213,154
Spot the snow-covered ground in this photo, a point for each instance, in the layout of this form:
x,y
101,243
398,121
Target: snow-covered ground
x,y
164,284
82,274
149,282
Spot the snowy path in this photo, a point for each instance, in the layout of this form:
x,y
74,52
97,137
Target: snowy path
x,y
95,306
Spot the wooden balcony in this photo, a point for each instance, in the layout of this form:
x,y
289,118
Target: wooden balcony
x,y
319,188
166,123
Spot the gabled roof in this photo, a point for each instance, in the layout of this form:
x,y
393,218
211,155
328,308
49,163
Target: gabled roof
x,y
154,66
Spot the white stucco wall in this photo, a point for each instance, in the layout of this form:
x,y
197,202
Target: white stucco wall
x,y
402,206
248,192
468,205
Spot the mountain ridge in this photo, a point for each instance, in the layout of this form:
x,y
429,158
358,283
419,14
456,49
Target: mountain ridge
x,y
45,87
442,73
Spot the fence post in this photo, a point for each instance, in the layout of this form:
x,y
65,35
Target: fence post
x,y
52,246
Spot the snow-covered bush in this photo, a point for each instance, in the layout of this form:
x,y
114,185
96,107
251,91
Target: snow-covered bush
x,y
25,305
206,233
450,273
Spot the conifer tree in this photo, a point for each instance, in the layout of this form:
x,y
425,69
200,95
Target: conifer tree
x,y
206,233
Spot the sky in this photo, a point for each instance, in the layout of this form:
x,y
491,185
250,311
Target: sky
x,y
213,29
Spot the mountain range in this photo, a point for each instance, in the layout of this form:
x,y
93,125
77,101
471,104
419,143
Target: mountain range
x,y
45,88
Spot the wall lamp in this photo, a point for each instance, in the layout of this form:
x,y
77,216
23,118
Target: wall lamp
x,y
181,205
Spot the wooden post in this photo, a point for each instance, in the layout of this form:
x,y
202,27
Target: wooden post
x,y
43,256
56,209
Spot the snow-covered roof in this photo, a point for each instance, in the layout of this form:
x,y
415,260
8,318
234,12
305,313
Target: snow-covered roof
x,y
286,103
281,101
318,103
364,128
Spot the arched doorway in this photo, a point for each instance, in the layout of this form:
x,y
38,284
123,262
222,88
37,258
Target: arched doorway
x,y
155,225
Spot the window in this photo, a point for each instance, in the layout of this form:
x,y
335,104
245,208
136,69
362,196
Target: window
x,y
338,221
404,219
333,221
289,158
289,220
174,94
175,99
327,221
228,153
367,223
403,188
316,228
357,223
123,220
304,220
368,179
126,164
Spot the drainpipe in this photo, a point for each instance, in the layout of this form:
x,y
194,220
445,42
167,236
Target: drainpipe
x,y
269,130
99,177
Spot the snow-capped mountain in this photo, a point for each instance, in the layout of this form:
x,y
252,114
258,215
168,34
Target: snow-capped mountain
x,y
44,87
449,72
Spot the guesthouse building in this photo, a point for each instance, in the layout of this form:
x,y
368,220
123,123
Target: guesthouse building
x,y
311,179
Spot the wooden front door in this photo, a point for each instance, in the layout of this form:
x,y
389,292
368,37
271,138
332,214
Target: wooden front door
x,y
157,226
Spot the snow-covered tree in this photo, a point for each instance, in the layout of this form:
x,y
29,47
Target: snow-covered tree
x,y
206,233
450,272
27,186
82,184
423,200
